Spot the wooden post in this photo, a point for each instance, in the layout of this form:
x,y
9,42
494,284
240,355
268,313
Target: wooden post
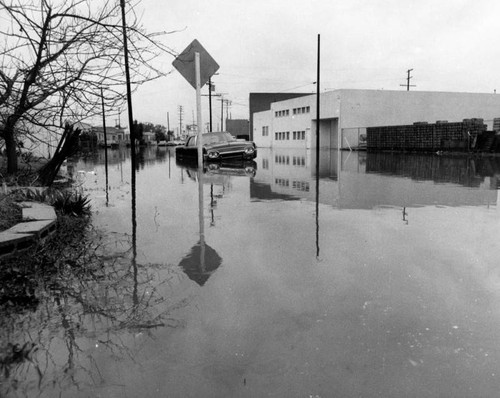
x,y
105,145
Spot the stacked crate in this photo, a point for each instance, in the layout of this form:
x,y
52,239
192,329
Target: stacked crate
x,y
496,124
425,137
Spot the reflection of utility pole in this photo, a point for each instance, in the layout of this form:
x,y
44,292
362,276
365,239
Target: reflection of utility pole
x,y
408,85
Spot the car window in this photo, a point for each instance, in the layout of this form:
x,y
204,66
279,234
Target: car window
x,y
191,141
212,139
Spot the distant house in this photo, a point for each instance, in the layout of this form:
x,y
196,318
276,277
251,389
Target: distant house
x,y
115,136
149,137
84,127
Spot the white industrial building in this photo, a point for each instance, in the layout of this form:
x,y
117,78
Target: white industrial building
x,y
345,114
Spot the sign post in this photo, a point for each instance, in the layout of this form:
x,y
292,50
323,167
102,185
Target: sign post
x,y
197,66
198,107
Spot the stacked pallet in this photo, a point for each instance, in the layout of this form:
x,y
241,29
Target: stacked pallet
x,y
496,124
425,137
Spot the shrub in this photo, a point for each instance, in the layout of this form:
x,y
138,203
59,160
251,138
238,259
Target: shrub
x,y
64,201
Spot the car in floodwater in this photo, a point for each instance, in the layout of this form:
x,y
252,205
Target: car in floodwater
x,y
217,146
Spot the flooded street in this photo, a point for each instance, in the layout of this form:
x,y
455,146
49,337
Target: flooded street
x,y
377,278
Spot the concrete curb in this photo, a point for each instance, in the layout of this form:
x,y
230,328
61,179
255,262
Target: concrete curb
x,y
39,220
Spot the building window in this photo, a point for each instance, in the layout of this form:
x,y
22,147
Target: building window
x,y
265,131
282,182
301,186
288,135
299,161
285,112
275,136
303,109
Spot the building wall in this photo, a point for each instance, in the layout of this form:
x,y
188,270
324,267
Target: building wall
x,y
371,108
259,102
238,127
263,129
289,124
345,114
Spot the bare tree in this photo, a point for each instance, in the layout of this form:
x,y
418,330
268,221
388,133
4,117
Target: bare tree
x,y
56,55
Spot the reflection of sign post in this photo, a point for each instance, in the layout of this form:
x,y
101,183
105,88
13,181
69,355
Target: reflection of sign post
x,y
197,66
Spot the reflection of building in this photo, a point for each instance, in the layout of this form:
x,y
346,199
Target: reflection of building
x,y
346,114
360,180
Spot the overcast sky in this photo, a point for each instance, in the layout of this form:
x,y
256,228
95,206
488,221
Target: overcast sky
x,y
271,45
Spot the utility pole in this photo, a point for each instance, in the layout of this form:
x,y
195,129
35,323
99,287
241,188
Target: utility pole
x,y
180,120
221,112
408,85
228,104
210,95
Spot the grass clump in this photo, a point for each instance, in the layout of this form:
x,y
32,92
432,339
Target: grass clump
x,y
10,212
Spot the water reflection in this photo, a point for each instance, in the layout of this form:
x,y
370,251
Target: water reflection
x,y
218,173
360,180
89,298
203,260
463,170
200,262
399,294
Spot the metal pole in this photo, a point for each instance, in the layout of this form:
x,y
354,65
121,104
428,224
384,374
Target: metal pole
x,y
105,146
198,109
317,149
318,104
210,100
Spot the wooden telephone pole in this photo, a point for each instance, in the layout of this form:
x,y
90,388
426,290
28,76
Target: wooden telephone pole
x,y
408,85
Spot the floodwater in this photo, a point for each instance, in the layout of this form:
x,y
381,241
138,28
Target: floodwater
x,y
372,275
